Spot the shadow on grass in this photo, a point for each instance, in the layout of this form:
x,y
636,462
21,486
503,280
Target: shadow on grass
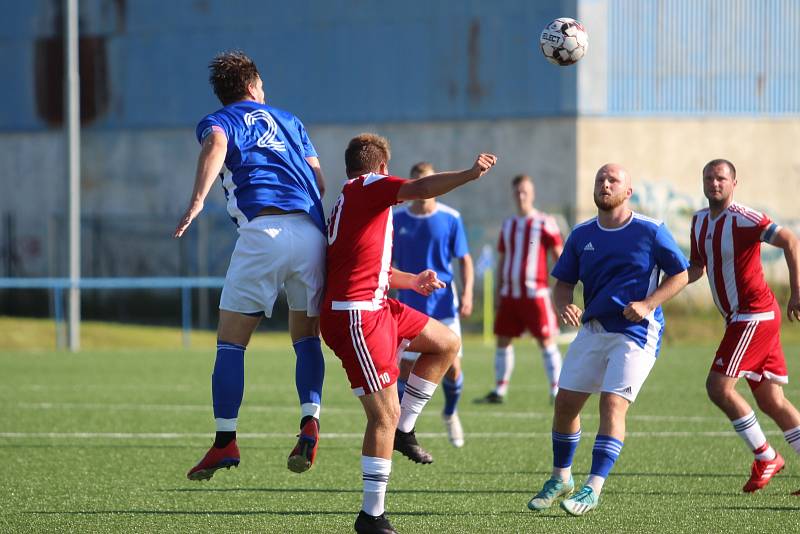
x,y
348,513
336,490
200,448
545,475
758,508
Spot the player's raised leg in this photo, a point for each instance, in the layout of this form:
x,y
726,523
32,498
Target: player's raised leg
x,y
304,286
438,346
227,391
566,436
309,376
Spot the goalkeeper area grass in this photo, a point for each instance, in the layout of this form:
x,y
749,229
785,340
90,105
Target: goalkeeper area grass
x,y
101,441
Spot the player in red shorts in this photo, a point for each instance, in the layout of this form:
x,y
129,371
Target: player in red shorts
x,y
726,244
525,242
367,330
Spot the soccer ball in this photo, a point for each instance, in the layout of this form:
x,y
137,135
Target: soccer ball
x,y
564,41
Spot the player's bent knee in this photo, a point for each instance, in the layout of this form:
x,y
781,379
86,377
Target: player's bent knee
x,y
452,343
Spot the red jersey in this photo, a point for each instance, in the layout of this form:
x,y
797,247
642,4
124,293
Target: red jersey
x,y
730,249
524,242
360,243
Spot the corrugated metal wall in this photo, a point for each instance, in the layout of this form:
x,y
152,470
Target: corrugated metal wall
x,y
693,57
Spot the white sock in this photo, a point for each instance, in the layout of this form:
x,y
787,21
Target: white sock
x,y
309,408
551,358
793,438
226,425
562,472
596,483
375,473
750,431
418,392
503,366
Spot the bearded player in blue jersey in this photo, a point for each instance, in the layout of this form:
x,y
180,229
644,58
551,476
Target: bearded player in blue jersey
x,y
619,256
273,187
429,235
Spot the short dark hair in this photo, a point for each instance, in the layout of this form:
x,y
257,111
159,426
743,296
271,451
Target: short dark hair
x,y
365,153
230,74
518,179
719,161
419,168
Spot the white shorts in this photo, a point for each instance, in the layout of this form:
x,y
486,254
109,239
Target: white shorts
x,y
598,360
274,253
453,323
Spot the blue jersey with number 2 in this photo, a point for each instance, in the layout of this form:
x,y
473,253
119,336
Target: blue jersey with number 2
x,y
266,155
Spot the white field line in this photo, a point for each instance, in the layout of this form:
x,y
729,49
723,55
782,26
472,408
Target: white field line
x,y
95,406
340,435
136,387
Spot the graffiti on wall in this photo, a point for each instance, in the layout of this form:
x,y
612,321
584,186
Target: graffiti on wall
x,y
662,201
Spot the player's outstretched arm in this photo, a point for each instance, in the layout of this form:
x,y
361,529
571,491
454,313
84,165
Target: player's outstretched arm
x,y
209,163
569,313
467,282
669,287
785,239
423,283
443,182
695,272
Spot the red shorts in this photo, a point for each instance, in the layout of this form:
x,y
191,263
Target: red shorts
x,y
753,349
536,315
368,342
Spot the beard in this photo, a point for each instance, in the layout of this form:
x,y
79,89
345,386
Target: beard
x,y
717,202
608,203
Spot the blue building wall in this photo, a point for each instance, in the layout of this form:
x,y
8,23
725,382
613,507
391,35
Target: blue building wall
x,y
342,61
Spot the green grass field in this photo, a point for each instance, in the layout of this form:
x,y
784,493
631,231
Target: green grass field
x,y
101,442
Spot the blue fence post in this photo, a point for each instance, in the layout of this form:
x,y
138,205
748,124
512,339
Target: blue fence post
x,y
58,311
186,315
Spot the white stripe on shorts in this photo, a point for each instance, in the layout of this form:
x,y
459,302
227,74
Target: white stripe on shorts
x,y
741,348
362,352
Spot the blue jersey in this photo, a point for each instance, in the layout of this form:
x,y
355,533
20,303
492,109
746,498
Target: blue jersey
x,y
618,266
429,242
266,155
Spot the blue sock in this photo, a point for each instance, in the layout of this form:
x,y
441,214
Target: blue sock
x,y
227,382
452,392
564,447
401,388
309,373
605,452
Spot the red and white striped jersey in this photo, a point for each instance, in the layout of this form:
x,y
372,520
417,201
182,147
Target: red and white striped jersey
x,y
360,243
524,243
729,247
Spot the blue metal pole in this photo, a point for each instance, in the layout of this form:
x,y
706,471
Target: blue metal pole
x,y
186,315
58,311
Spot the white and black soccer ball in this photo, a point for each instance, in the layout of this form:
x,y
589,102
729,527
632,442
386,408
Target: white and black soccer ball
x,y
564,41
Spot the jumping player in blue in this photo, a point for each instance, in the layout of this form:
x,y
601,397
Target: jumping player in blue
x,y
273,188
429,235
619,256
